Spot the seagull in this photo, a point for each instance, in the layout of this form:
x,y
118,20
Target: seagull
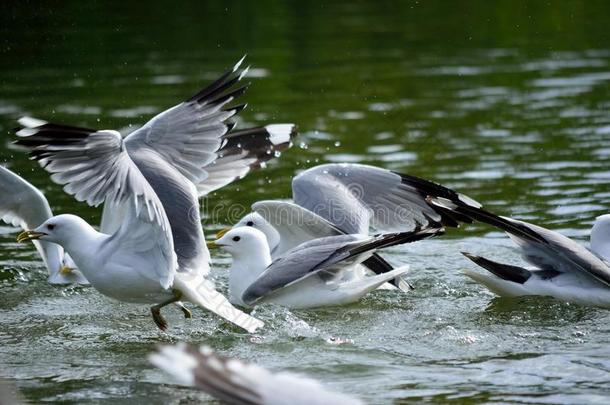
x,y
234,382
316,273
23,205
147,180
345,198
561,268
242,152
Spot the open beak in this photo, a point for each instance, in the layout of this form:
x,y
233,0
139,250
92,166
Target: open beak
x,y
222,232
29,235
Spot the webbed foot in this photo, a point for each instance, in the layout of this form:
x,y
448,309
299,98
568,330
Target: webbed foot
x,y
158,318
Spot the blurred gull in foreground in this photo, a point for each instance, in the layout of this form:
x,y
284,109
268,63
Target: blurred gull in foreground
x,y
151,246
234,382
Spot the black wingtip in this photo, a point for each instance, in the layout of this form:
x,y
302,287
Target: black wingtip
x,y
215,91
393,239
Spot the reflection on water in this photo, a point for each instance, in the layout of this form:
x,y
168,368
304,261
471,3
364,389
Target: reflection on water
x,y
507,102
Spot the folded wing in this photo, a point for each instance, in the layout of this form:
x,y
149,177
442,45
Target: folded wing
x,y
329,255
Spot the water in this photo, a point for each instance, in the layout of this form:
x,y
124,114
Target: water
x,y
506,101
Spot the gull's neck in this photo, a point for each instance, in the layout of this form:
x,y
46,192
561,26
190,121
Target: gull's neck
x,y
84,246
246,268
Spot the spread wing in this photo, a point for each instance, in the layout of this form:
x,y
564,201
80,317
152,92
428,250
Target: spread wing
x,y
546,249
189,134
355,197
23,205
295,224
96,168
244,151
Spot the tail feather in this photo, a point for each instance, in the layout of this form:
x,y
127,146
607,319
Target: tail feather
x,y
379,265
204,295
504,271
369,284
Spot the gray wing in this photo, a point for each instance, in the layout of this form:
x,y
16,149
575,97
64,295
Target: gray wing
x,y
189,135
355,197
325,255
295,224
546,249
23,205
96,168
244,151
549,250
303,261
181,204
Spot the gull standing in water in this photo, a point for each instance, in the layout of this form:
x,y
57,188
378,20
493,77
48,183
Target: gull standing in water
x,y
148,184
561,267
234,382
314,274
23,205
345,198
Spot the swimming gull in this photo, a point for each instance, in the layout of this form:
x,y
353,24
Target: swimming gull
x,y
234,382
23,205
157,168
316,273
344,198
561,267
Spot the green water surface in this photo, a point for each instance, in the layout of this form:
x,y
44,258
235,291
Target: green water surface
x,y
506,101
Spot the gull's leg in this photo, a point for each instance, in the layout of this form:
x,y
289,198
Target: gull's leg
x,y
156,311
187,313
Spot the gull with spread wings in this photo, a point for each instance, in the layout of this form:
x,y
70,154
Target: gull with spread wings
x,y
558,266
150,247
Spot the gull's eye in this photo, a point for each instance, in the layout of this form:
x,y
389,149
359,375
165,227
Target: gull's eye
x,y
236,238
250,223
50,227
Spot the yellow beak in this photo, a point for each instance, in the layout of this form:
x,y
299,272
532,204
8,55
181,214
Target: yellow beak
x,y
29,235
65,270
212,244
222,232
